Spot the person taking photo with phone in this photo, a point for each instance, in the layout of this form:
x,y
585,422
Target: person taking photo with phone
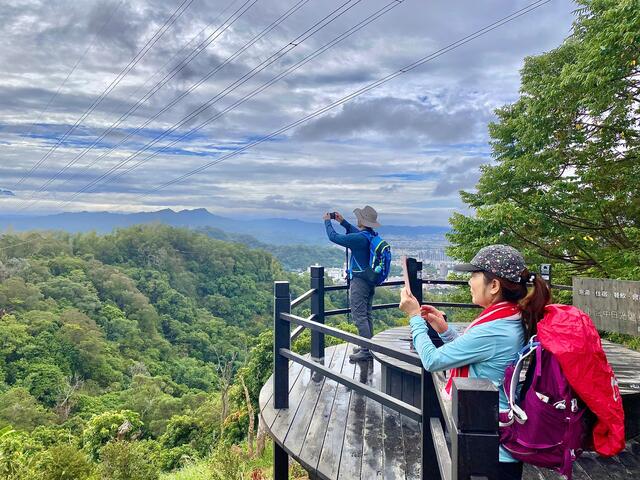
x,y
361,287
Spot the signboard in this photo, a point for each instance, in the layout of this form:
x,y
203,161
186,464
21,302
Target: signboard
x,y
613,305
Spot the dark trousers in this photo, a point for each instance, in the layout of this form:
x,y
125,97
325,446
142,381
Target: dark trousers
x,y
510,471
361,300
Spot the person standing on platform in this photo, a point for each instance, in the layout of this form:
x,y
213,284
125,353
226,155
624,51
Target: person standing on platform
x,y
361,289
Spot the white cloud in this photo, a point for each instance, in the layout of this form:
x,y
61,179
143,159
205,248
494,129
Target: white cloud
x,y
407,147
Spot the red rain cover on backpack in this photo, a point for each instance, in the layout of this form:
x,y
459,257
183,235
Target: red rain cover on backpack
x,y
570,335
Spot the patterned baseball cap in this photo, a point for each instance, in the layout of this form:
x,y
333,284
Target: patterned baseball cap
x,y
501,260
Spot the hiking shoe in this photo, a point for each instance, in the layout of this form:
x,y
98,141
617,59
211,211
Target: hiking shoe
x,y
361,356
356,349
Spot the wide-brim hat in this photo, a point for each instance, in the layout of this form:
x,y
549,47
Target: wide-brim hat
x,y
367,216
501,260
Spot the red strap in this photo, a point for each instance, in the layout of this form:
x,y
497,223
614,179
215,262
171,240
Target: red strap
x,y
493,312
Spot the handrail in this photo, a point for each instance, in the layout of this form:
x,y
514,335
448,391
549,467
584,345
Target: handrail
x,y
387,400
468,416
305,296
410,358
297,332
430,281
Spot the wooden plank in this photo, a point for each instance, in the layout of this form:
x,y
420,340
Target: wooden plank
x,y
529,472
285,416
372,442
395,382
445,404
300,424
334,438
442,451
351,458
312,445
592,467
267,412
394,461
411,443
408,394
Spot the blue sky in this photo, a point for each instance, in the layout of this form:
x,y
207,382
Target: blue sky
x,y
406,148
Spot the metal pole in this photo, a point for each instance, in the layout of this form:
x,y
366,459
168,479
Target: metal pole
x,y
317,310
281,339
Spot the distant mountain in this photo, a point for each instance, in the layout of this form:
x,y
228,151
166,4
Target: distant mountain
x,y
278,231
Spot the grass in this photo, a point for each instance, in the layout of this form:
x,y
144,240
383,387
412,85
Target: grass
x,y
233,463
630,341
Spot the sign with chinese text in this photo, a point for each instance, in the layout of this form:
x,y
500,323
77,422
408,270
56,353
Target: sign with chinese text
x,y
613,305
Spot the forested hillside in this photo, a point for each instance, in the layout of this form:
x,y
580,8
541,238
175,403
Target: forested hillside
x,y
138,335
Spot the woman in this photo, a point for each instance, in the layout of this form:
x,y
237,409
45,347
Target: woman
x,y
498,283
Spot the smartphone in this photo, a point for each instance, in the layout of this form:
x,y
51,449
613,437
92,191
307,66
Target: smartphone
x,y
405,273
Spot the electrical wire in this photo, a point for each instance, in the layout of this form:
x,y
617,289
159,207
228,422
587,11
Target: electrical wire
x,y
64,82
208,76
412,66
341,10
168,77
177,13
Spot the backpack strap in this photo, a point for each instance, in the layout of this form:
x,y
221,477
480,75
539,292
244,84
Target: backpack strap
x,y
514,410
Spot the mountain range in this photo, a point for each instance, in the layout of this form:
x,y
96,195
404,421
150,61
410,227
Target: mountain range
x,y
277,231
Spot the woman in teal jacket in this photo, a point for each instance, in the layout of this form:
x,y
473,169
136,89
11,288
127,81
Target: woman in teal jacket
x,y
498,283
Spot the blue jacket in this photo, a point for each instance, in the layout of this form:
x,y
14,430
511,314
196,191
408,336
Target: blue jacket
x,y
487,348
353,239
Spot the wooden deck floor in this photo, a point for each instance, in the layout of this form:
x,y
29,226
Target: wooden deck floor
x,y
339,434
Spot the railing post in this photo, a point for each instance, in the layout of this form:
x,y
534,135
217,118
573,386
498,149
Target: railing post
x,y
430,409
474,444
281,339
317,310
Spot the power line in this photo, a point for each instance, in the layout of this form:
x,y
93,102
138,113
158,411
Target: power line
x,y
177,13
170,75
343,36
210,74
371,86
57,92
341,10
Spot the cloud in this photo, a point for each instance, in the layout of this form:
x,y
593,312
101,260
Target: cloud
x,y
6,193
407,146
389,117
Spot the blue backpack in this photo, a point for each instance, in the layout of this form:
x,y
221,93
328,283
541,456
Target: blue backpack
x,y
379,260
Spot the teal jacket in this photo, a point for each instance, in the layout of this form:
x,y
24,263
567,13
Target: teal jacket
x,y
487,348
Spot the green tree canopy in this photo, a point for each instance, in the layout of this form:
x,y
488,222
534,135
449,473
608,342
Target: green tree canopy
x,y
564,183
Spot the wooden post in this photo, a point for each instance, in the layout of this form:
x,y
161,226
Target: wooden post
x,y
474,444
280,462
317,310
430,409
281,339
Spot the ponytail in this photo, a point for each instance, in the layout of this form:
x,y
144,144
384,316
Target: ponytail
x,y
534,302
531,302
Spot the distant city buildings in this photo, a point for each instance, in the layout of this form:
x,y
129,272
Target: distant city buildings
x,y
428,249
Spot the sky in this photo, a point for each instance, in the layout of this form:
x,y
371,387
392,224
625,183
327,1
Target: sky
x,y
76,114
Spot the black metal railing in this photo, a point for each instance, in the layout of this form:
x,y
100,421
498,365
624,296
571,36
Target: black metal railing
x,y
470,417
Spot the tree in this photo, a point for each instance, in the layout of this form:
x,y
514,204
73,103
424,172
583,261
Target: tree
x,y
20,410
125,460
44,381
564,185
65,462
105,427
